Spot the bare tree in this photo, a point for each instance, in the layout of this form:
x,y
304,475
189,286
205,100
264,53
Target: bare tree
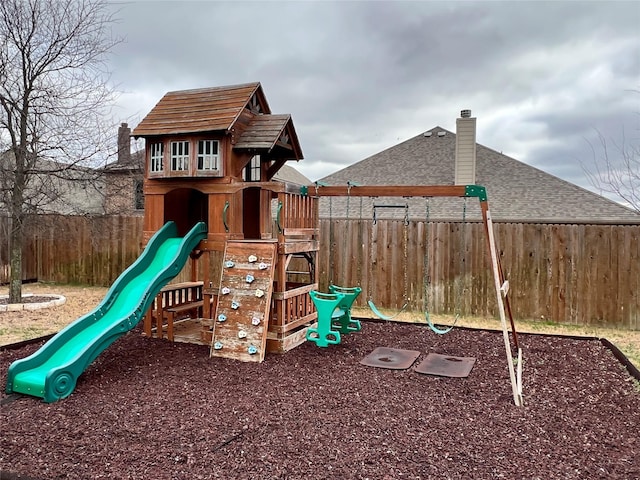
x,y
615,168
55,95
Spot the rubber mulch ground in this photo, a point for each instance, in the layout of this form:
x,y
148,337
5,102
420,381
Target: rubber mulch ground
x,y
150,409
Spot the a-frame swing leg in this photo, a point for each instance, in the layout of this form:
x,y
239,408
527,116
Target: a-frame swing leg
x,y
516,381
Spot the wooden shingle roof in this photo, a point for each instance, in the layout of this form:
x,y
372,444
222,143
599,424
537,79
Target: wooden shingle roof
x,y
265,132
200,110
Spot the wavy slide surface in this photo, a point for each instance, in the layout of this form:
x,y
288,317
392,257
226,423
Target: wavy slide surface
x,y
51,372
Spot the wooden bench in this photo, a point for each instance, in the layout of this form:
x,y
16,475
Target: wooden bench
x,y
190,310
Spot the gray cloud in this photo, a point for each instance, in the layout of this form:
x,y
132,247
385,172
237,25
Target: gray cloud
x,y
359,77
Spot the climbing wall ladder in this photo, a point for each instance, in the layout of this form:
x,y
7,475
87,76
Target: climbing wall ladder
x,y
244,302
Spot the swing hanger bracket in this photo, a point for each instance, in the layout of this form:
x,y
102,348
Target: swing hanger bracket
x,y
404,206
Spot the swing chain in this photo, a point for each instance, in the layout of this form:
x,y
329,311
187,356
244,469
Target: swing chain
x,y
331,237
463,256
405,258
344,234
360,244
427,275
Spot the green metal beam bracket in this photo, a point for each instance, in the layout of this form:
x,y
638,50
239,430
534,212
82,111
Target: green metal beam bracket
x,y
476,191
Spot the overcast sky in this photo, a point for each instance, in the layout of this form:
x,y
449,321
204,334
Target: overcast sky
x,y
542,78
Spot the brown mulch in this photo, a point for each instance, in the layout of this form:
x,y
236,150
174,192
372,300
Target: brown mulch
x,y
151,409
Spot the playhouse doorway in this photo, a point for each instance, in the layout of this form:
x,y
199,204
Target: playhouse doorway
x,y
186,207
251,213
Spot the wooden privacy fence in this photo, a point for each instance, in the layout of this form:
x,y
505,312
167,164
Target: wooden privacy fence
x,y
580,274
76,249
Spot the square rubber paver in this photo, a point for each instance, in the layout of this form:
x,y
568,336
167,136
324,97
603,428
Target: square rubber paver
x,y
393,358
446,365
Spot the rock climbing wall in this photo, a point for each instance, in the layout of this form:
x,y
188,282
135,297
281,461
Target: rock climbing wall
x,y
244,300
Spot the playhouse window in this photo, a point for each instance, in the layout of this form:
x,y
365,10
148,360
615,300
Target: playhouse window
x,y
180,156
208,155
157,156
252,170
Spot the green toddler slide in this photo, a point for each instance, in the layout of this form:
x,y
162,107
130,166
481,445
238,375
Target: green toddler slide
x,y
51,372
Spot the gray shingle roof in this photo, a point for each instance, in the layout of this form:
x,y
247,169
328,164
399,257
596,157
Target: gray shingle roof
x,y
516,191
289,174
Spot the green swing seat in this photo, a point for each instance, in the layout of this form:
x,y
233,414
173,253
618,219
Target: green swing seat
x,y
326,304
341,316
334,315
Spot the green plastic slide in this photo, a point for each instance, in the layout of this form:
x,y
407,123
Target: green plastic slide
x,y
51,372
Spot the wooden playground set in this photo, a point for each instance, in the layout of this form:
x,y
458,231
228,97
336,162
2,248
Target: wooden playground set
x,y
211,155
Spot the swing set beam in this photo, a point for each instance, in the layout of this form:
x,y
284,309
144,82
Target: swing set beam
x,y
396,191
477,191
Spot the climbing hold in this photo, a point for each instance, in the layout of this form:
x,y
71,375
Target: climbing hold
x,y
263,266
226,290
252,350
250,278
229,264
259,293
222,317
235,305
255,321
217,346
252,258
242,334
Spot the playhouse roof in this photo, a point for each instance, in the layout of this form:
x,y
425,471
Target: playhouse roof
x,y
265,132
202,110
241,111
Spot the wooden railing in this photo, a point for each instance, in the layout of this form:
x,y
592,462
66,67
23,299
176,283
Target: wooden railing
x,y
290,311
297,214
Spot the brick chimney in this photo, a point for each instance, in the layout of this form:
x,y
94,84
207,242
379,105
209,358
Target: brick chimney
x,y
124,144
465,170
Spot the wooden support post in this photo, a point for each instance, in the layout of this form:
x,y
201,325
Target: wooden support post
x,y
516,384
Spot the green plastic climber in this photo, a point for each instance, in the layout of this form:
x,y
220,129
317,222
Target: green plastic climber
x,y
326,304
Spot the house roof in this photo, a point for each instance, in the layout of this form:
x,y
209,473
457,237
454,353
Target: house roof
x,y
201,110
129,164
289,174
516,191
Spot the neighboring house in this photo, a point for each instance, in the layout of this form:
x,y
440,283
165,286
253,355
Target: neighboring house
x,y
124,178
58,188
516,191
74,190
